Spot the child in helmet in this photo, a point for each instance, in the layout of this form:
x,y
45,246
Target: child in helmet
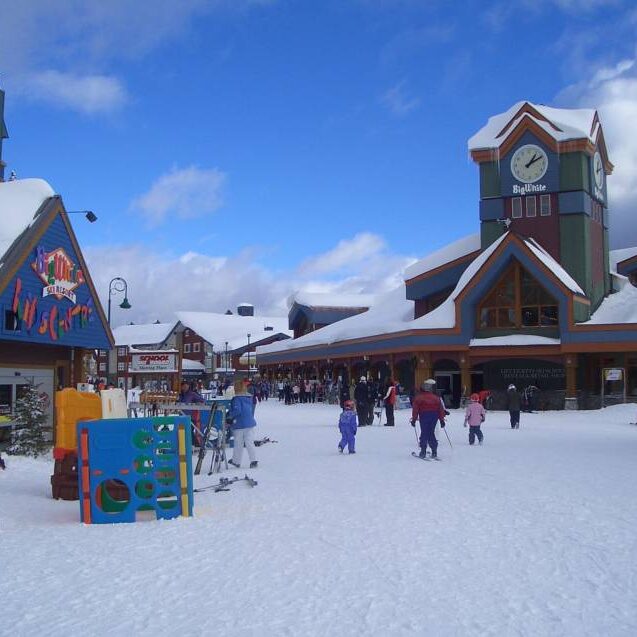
x,y
475,416
347,427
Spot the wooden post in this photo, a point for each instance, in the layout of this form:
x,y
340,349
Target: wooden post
x,y
465,374
423,368
570,367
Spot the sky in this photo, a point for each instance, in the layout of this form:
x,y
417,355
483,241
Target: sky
x,y
239,150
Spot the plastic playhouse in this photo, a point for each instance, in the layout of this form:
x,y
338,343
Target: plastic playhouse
x,y
134,468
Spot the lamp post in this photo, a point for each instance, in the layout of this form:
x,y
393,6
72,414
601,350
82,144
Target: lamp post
x,y
225,375
249,366
116,285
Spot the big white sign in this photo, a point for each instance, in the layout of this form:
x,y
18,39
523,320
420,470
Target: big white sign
x,y
153,362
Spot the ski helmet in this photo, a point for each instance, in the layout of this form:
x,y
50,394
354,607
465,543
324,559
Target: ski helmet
x,y
348,404
363,379
475,397
428,385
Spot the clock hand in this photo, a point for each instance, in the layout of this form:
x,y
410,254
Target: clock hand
x,y
533,160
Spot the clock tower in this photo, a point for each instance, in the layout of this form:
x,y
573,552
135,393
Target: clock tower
x,y
543,175
3,133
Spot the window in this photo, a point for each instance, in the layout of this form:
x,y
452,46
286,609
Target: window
x,y
518,300
121,351
102,367
187,348
530,206
187,332
121,367
545,205
102,352
196,347
11,321
516,208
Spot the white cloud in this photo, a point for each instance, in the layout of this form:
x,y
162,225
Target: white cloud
x,y
348,253
184,193
159,285
613,92
81,39
398,101
87,94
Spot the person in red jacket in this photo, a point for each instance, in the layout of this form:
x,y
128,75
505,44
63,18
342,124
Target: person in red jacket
x,y
390,401
427,408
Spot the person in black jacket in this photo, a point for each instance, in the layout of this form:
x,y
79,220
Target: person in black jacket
x,y
513,405
361,396
343,393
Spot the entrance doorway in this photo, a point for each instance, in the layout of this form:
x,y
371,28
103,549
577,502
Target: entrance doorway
x,y
448,387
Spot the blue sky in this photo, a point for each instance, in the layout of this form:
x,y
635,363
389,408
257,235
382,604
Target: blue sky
x,y
236,151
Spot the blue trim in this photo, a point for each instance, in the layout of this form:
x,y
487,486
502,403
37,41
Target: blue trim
x,y
319,316
443,280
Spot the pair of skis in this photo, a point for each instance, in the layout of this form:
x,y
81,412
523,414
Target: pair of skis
x,y
224,484
427,458
263,441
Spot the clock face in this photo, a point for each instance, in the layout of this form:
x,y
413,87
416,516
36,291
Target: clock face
x,y
529,163
598,170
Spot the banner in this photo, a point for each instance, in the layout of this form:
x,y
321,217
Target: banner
x,y
153,362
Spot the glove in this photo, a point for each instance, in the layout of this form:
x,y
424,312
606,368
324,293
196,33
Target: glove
x,y
413,423
442,424
465,425
446,413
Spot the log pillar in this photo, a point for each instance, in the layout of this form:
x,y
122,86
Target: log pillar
x,y
423,369
465,374
570,367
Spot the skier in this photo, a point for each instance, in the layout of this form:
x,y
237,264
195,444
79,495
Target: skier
x,y
427,407
475,416
243,423
513,405
361,396
347,427
390,401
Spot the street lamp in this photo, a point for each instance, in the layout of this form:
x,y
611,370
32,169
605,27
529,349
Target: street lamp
x,y
116,285
249,366
226,362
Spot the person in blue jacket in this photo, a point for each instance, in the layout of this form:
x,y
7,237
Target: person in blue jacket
x,y
347,427
241,413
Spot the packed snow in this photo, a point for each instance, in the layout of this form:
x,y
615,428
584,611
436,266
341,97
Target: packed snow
x,y
617,256
142,334
531,534
620,307
456,250
19,201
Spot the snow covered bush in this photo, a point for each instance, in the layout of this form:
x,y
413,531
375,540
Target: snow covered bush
x,y
29,433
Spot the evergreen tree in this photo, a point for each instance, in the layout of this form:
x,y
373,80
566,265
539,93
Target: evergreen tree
x,y
30,424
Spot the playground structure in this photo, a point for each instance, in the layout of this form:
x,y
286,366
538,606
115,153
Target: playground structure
x,y
135,468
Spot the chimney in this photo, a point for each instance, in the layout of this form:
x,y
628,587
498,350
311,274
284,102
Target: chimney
x,y
245,309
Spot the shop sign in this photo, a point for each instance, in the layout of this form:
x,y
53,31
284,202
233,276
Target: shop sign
x,y
613,374
58,273
153,362
532,373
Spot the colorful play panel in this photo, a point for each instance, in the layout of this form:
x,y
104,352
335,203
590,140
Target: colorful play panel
x,y
134,469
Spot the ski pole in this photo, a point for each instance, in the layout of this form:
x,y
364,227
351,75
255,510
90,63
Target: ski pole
x,y
446,434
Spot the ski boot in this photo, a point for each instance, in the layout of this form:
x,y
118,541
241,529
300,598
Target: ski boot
x,y
254,465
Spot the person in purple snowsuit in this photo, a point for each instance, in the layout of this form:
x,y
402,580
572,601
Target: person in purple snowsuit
x,y
347,427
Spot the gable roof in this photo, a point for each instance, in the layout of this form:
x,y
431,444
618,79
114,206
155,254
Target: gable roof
x,y
331,300
144,334
216,328
20,203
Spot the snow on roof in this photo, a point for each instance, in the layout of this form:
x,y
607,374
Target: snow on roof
x,y
457,249
514,339
617,256
554,266
187,364
620,307
568,123
19,201
145,334
326,299
216,329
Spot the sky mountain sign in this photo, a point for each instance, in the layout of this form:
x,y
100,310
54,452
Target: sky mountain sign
x,y
153,362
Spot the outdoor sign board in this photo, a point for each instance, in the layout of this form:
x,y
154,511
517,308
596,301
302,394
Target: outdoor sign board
x,y
153,362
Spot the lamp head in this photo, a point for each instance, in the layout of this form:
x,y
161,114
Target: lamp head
x,y
125,305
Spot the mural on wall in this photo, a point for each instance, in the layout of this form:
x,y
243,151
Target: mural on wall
x,y
49,300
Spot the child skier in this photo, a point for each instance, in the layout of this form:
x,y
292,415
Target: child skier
x,y
347,427
475,416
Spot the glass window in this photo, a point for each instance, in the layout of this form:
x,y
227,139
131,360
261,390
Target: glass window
x,y
121,351
517,300
187,348
530,206
102,367
196,347
516,207
11,321
121,367
187,332
102,352
545,205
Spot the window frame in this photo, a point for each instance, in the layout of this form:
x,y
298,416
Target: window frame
x,y
527,208
544,198
196,348
513,202
186,348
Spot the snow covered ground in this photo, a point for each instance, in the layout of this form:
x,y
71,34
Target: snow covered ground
x,y
535,533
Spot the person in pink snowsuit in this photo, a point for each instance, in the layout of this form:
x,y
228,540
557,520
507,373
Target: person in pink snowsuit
x,y
474,416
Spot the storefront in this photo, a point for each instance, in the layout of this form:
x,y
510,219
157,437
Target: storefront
x,y
51,319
